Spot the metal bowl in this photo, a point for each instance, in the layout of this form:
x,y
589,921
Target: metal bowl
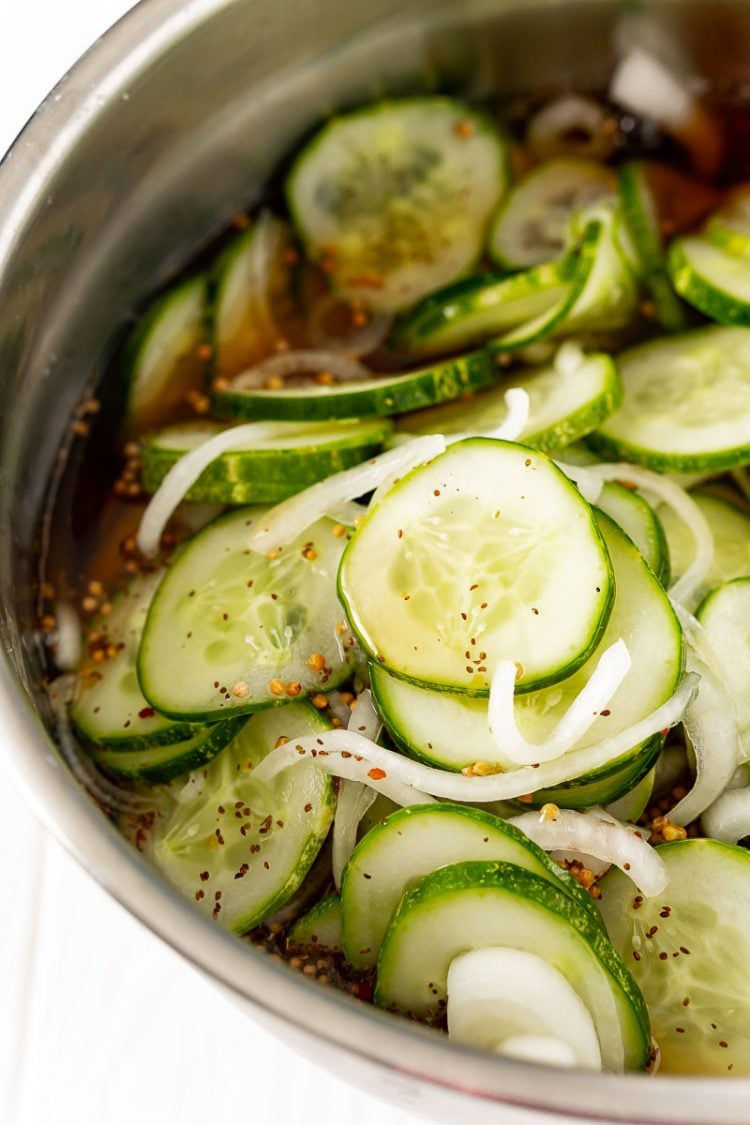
x,y
174,120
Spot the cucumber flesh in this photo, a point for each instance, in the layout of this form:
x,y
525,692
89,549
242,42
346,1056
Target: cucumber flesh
x,y
471,906
713,281
319,930
239,848
531,225
689,952
686,403
267,470
398,196
638,519
154,764
410,844
725,616
730,525
230,630
484,550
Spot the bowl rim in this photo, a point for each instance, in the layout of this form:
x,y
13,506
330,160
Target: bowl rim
x,y
107,68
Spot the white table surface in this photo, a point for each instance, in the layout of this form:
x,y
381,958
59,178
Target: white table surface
x,y
101,1024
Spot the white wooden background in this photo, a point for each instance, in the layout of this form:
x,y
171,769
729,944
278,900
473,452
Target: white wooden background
x,y
100,1024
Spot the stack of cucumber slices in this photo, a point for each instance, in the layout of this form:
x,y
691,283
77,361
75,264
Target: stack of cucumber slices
x,y
477,463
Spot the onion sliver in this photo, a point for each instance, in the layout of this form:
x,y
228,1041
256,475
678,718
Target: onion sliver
x,y
728,818
68,643
611,669
644,85
589,486
358,340
353,801
289,519
347,754
683,505
304,361
515,1002
597,834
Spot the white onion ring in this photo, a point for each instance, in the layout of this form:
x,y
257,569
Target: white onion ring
x,y
589,486
353,801
282,524
304,361
68,643
357,341
596,833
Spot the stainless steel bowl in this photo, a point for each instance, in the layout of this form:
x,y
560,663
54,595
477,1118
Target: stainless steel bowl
x,y
170,123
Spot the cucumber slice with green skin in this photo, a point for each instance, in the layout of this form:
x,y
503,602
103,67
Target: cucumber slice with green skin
x,y
710,279
632,805
689,952
562,407
485,550
686,403
162,360
109,708
729,227
730,525
725,616
250,278
640,522
479,308
452,731
413,842
604,785
298,455
231,631
239,848
156,764
480,905
382,395
319,929
531,225
398,196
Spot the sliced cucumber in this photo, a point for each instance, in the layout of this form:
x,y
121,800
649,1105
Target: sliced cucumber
x,y
730,525
531,225
410,844
240,848
319,930
487,550
480,905
642,220
686,403
632,805
383,394
230,630
638,519
162,359
109,707
725,616
712,280
296,456
154,764
398,196
250,279
689,951
562,407
452,732
729,227
479,308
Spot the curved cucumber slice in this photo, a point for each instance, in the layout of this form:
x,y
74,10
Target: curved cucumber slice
x,y
162,359
531,225
634,803
487,550
230,630
729,227
250,279
562,407
239,848
298,455
397,196
410,844
383,394
730,525
640,522
725,616
711,280
162,763
480,905
686,403
452,731
110,708
318,929
478,308
689,952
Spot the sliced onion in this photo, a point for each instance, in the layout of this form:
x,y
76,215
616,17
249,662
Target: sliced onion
x,y
364,717
516,1003
642,84
511,428
353,801
265,247
589,486
569,359
597,834
347,754
555,128
282,524
611,669
185,472
68,642
684,590
356,341
304,361
728,818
